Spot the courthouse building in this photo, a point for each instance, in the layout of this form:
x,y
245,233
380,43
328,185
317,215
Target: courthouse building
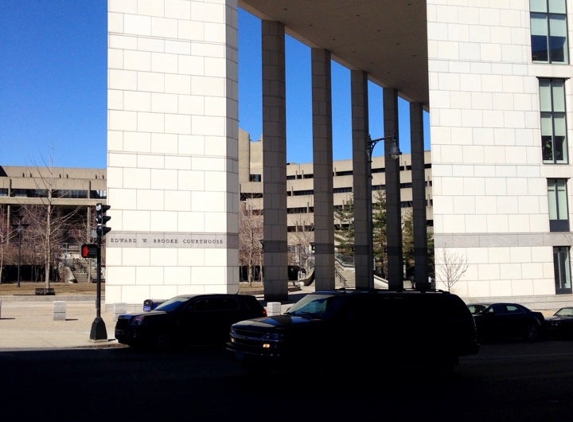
x,y
495,77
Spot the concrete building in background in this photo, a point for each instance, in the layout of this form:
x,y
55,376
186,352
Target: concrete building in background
x,y
300,187
72,187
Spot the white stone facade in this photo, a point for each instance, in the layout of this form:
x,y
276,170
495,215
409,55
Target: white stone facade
x,y
172,149
489,180
173,172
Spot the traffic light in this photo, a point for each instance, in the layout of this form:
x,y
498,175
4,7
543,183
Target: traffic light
x,y
102,219
89,250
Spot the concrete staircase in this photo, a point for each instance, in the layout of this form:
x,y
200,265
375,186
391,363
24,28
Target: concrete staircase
x,y
345,277
80,271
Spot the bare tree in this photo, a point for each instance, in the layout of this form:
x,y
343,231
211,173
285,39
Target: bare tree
x,y
450,267
301,241
4,234
250,236
10,238
43,236
49,224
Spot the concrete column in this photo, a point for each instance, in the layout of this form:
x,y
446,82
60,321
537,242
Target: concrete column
x,y
393,205
363,259
274,162
172,134
322,165
419,197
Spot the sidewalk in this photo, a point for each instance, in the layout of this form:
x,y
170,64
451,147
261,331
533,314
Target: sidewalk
x,y
27,323
30,324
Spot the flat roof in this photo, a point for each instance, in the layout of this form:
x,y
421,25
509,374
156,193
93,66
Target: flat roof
x,y
385,38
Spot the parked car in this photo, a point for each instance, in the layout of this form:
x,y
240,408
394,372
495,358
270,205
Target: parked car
x,y
560,324
502,321
186,320
151,304
382,329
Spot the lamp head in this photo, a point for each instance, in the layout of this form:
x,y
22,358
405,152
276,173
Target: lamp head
x,y
394,149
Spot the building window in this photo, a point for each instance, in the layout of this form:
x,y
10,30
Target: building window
x,y
98,194
549,31
303,192
558,208
562,267
255,178
553,123
342,190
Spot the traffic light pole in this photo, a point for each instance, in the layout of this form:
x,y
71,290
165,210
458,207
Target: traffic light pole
x,y
98,331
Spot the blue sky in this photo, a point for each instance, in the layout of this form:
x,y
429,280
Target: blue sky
x,y
53,88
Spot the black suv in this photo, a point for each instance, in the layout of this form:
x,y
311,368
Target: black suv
x,y
186,320
380,327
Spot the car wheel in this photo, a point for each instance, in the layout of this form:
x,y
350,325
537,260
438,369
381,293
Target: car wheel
x,y
163,342
532,332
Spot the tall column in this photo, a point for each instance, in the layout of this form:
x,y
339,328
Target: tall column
x,y
274,162
419,197
322,165
363,258
393,206
172,133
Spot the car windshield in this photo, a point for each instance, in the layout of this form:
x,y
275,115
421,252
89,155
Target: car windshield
x,y
476,308
172,304
310,306
564,312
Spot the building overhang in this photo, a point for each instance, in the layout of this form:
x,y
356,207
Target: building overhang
x,y
385,38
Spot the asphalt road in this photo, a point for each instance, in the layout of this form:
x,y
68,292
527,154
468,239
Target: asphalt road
x,y
511,381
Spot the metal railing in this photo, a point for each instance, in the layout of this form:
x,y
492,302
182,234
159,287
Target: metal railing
x,y
343,280
344,260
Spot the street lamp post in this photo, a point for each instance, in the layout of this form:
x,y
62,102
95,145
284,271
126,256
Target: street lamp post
x,y
20,227
394,154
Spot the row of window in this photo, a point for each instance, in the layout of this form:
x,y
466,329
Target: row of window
x,y
257,177
57,193
549,45
348,189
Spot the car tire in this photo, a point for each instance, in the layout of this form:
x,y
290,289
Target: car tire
x,y
163,342
532,332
